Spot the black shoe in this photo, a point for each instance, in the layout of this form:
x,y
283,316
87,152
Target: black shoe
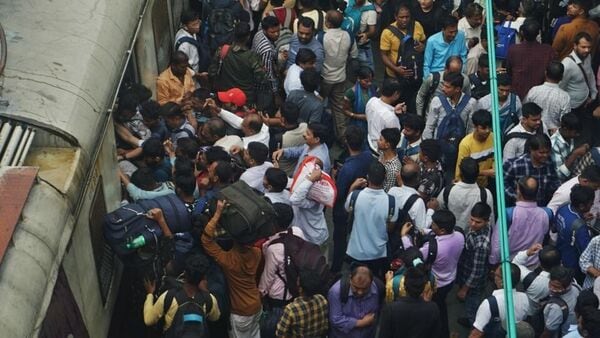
x,y
464,321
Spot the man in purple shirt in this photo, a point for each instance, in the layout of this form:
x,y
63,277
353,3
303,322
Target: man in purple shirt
x,y
354,303
450,245
528,223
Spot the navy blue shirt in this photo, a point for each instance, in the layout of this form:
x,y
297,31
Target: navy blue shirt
x,y
353,168
571,243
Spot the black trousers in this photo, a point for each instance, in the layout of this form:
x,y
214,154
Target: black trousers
x,y
439,297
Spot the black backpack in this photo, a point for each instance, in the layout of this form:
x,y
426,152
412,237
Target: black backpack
x,y
221,22
190,318
451,130
435,82
508,114
407,55
298,255
203,51
478,89
494,328
395,246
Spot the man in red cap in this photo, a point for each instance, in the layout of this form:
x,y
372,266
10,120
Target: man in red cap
x,y
233,100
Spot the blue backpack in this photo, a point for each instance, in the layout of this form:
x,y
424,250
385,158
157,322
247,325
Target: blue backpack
x,y
452,128
508,115
506,37
352,15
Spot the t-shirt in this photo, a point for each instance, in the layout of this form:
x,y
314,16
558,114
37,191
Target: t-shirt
x,y
390,43
484,315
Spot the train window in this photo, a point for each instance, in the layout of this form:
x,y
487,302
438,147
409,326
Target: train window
x,y
132,74
104,257
162,33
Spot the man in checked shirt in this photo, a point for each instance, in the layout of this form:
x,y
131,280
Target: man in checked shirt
x,y
472,266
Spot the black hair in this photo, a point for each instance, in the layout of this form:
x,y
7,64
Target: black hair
x,y
307,22
555,71
224,171
241,32
189,16
409,255
448,21
432,149
390,87
403,6
269,22
143,178
582,35
410,176
584,4
178,57
481,210
364,72
570,121
504,79
561,274
354,266
284,215
196,268
537,142
258,152
276,178
277,3
455,79
528,187
140,91
127,103
376,173
153,147
473,9
310,80
483,61
581,194
451,59
414,282
444,219
515,274
310,282
391,136
549,257
202,93
305,55
184,167
150,110
586,299
414,122
216,127
188,147
531,109
186,184
530,29
214,154
170,109
591,322
591,173
290,112
318,130
482,118
355,137
469,170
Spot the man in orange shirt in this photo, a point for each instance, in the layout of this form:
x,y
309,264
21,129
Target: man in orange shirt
x,y
563,41
176,81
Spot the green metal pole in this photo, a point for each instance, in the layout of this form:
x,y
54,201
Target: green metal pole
x,y
500,203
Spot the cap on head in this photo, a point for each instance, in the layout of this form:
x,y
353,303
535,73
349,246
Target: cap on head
x,y
233,95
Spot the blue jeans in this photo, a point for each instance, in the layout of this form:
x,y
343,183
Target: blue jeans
x,y
365,57
472,301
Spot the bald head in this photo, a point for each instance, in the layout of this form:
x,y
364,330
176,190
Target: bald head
x,y
334,19
527,188
251,124
410,175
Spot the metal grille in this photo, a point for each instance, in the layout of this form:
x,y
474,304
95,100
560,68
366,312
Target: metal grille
x,y
15,141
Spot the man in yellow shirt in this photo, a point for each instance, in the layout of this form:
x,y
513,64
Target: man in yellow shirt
x,y
176,81
391,47
479,145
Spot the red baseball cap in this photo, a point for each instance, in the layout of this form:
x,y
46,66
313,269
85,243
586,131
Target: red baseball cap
x,y
233,95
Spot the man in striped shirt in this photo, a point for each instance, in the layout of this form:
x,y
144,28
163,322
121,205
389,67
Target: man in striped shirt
x,y
264,45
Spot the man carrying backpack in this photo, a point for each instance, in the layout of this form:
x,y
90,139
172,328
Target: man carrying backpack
x,y
530,125
559,309
402,44
187,40
184,309
408,199
509,104
361,20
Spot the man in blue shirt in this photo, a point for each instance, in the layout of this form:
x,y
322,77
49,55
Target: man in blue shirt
x,y
305,38
371,211
356,165
573,232
354,303
315,146
440,46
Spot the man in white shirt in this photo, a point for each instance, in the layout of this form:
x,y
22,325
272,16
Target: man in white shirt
x,y
484,315
381,114
471,23
590,177
255,156
186,39
252,126
407,186
530,125
275,181
305,59
214,132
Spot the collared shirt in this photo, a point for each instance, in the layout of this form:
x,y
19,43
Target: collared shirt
x,y
313,45
482,152
354,167
563,40
590,258
473,58
265,48
309,105
391,44
450,248
392,167
291,138
561,149
515,147
304,317
486,103
470,32
188,49
423,97
562,196
578,86
236,122
292,79
571,242
254,176
228,141
343,317
472,266
554,102
526,63
279,197
529,225
185,130
368,239
337,45
321,152
308,214
437,113
553,313
410,150
484,315
418,213
522,166
437,51
271,283
380,115
461,199
538,289
170,89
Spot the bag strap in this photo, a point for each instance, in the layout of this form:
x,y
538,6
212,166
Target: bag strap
x,y
462,104
344,288
320,20
432,250
587,83
186,39
563,306
447,194
531,277
483,195
493,303
391,207
353,198
409,203
509,216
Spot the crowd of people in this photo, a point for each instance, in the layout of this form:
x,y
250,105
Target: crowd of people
x,y
259,91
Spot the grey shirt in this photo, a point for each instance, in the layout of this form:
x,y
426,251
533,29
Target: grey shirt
x,y
436,114
310,106
423,101
574,82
